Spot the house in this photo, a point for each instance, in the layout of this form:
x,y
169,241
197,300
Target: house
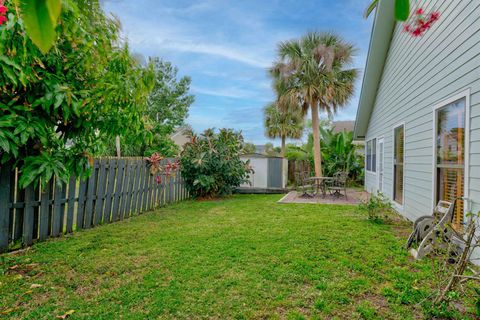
x,y
419,110
181,136
341,126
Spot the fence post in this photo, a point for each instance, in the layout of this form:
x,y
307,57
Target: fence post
x,y
118,189
72,184
112,166
144,188
57,216
44,218
100,191
4,206
82,190
29,216
90,196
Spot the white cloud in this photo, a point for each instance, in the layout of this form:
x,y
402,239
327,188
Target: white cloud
x,y
227,52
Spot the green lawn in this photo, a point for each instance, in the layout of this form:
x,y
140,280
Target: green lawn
x,y
243,257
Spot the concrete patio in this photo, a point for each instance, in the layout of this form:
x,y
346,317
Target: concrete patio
x,y
355,196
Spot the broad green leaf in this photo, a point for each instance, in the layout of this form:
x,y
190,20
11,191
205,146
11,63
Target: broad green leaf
x,y
40,18
370,9
402,9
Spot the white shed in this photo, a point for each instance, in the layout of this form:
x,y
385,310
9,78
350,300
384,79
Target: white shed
x,y
270,173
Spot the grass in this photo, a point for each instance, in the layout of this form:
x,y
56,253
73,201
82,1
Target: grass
x,y
240,258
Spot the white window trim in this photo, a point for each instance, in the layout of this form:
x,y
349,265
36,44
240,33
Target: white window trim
x,y
381,138
399,207
366,153
463,94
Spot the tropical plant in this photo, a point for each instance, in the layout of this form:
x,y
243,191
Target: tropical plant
x,y
283,124
378,208
56,107
210,163
313,74
339,153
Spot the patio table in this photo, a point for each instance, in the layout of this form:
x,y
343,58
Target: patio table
x,y
321,184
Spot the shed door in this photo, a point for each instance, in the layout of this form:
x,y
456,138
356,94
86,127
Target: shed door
x,y
275,173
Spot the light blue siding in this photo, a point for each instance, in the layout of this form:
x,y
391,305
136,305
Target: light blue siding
x,y
418,74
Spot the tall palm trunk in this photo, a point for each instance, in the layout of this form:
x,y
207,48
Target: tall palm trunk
x,y
283,146
317,155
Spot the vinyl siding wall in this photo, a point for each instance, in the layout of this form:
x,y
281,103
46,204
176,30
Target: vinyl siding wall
x,y
418,74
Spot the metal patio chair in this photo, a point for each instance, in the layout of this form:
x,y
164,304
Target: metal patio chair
x,y
338,185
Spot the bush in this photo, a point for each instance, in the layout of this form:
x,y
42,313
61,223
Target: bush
x,y
377,207
211,165
56,108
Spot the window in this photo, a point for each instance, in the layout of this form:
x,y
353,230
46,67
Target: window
x,y
371,157
450,155
398,163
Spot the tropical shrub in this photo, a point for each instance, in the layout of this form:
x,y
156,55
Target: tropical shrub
x,y
56,107
210,163
378,208
339,153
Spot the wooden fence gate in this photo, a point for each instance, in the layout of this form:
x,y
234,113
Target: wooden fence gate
x,y
118,188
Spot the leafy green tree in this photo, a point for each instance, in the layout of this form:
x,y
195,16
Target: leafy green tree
x,y
313,74
210,164
56,107
167,108
282,124
249,148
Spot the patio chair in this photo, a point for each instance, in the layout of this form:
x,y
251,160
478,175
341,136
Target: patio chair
x,y
433,231
304,185
338,185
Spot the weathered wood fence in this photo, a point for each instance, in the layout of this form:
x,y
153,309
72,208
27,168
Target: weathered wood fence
x,y
297,167
118,188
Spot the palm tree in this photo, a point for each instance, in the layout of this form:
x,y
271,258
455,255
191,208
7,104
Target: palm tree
x,y
314,75
282,124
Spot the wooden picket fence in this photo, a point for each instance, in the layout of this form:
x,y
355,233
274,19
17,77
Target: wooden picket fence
x,y
118,188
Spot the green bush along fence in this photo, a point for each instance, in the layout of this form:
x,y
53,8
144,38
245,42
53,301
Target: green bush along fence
x,y
118,188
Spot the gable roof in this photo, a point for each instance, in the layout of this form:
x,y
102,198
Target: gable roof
x,y
380,39
340,126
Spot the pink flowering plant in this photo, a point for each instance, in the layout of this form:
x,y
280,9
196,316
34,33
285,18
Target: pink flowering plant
x,y
3,13
420,22
159,169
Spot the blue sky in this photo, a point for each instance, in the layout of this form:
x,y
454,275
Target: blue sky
x,y
227,46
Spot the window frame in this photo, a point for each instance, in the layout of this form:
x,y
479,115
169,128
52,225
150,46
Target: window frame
x,y
463,94
373,151
399,206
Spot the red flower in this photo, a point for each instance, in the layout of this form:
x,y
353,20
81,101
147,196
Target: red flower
x,y
406,28
3,19
434,16
3,10
417,32
419,11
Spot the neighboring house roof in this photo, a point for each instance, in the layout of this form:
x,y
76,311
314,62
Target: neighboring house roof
x,y
179,131
340,126
180,136
382,32
260,149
